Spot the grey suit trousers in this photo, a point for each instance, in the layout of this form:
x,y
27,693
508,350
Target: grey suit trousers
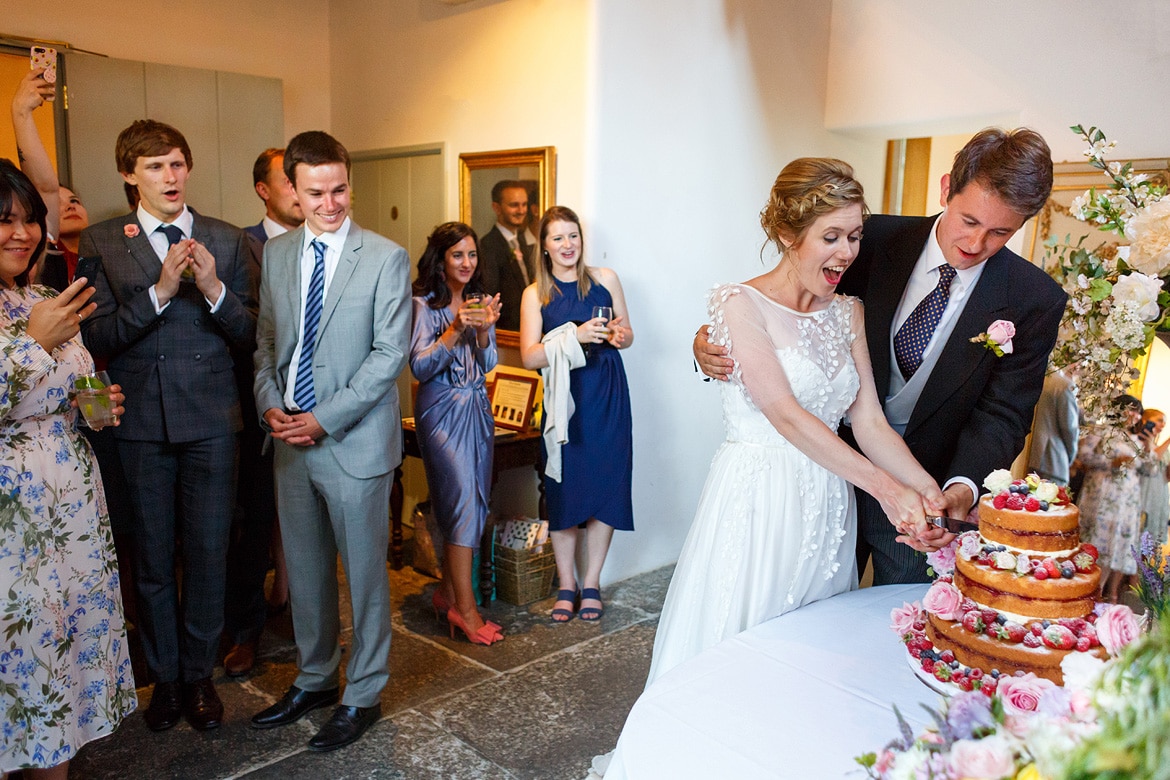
x,y
322,509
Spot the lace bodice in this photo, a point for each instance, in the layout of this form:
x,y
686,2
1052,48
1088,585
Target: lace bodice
x,y
778,351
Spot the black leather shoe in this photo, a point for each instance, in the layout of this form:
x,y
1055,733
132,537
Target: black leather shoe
x,y
346,726
292,707
201,705
166,707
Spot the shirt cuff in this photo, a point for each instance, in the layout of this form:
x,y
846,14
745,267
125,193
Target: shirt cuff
x,y
218,301
154,299
968,483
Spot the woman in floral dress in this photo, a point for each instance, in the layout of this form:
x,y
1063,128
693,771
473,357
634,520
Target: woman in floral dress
x,y
65,674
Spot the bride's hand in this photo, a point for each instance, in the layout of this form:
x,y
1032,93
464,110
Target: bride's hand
x,y
903,506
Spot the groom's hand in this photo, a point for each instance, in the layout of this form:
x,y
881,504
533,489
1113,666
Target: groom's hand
x,y
957,501
712,360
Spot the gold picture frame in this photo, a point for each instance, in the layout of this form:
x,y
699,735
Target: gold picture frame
x,y
478,173
1070,180
512,400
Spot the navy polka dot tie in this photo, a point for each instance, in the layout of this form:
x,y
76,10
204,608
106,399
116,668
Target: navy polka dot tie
x,y
911,339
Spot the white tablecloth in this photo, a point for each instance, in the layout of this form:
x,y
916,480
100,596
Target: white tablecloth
x,y
796,697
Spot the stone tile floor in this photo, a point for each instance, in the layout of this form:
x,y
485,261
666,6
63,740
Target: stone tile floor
x,y
537,706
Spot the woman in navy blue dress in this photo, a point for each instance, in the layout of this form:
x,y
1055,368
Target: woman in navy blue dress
x,y
452,347
597,460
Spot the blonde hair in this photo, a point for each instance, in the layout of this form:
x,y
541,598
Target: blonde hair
x,y
808,188
545,288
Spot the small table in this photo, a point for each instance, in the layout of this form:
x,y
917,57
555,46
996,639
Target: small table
x,y
512,450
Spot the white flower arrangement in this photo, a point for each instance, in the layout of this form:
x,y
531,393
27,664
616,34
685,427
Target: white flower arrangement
x,y
1116,301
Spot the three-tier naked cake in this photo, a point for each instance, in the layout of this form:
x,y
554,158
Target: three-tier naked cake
x,y
1021,594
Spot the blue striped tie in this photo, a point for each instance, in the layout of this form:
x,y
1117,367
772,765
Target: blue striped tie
x,y
303,395
911,339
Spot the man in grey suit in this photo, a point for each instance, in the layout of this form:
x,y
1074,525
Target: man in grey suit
x,y
1056,428
176,296
332,338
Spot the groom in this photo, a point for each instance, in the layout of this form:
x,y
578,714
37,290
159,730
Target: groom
x,y
962,411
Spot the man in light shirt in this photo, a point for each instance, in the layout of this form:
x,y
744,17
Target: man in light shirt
x,y
176,297
507,252
332,338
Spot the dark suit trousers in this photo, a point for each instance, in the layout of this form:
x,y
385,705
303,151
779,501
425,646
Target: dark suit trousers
x,y
248,559
893,562
180,632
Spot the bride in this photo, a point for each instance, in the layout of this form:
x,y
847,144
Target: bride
x,y
776,527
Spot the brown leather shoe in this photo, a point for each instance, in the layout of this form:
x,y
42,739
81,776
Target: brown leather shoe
x,y
201,705
240,659
165,707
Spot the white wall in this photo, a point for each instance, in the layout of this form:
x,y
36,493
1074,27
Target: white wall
x,y
921,67
483,76
694,113
287,40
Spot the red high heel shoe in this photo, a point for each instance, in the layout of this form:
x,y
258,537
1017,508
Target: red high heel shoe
x,y
440,603
484,636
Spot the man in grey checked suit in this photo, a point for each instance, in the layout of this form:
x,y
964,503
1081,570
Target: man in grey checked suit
x,y
176,296
332,338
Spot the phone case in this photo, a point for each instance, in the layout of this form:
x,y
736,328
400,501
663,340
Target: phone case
x,y
44,57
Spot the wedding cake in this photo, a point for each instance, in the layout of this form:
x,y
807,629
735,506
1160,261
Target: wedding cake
x,y
1015,596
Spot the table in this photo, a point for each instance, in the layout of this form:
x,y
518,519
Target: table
x,y
512,450
796,697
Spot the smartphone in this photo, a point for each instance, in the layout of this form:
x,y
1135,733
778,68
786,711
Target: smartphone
x,y
89,267
1149,426
44,57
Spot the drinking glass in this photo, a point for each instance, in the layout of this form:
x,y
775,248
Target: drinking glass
x,y
605,313
93,399
476,300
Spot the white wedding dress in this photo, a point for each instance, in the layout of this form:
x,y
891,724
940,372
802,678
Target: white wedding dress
x,y
773,530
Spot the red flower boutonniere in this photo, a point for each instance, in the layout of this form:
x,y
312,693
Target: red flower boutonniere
x,y
130,230
998,338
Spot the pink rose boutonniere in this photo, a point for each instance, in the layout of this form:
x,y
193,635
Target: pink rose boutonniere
x,y
998,338
130,230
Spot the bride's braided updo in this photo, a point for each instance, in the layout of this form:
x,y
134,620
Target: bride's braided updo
x,y
807,188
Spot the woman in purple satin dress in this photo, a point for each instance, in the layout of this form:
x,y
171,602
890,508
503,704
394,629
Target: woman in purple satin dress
x,y
452,347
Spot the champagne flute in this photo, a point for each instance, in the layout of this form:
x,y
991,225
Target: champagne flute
x,y
605,313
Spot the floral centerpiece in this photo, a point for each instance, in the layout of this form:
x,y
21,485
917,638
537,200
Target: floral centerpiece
x,y
1116,301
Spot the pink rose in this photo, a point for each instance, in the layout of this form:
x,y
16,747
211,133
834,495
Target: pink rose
x,y
989,758
130,230
885,761
1001,332
903,618
1117,627
942,560
943,599
1021,698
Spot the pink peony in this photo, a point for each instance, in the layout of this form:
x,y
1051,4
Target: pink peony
x,y
942,560
989,758
903,618
130,230
1001,332
943,599
1117,626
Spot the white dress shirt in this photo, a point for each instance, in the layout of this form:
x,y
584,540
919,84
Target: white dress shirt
x,y
161,245
334,243
272,228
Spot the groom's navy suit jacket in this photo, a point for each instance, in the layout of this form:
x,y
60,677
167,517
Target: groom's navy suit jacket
x,y
976,409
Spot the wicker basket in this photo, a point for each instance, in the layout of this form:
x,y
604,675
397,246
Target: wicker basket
x,y
524,576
